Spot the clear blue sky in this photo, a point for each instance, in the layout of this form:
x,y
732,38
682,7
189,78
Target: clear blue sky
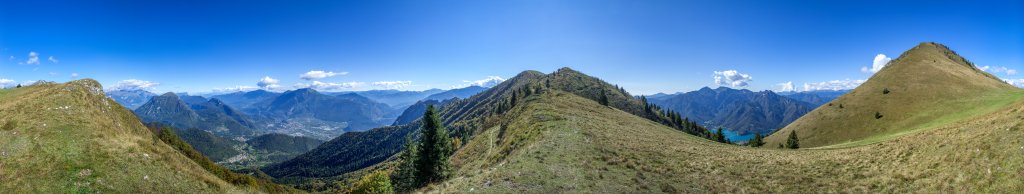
x,y
645,46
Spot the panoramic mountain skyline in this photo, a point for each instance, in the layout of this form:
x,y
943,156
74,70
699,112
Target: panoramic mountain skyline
x,y
647,48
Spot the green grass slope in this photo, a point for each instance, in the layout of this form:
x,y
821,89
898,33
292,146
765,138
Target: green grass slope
x,y
929,86
557,142
70,138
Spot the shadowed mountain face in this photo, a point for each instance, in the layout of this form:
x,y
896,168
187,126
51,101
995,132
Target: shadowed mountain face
x,y
928,85
416,111
131,99
741,111
213,115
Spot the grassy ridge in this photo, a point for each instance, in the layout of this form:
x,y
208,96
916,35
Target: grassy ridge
x,y
927,86
70,138
559,142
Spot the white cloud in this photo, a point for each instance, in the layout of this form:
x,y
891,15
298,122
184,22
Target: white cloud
x,y
5,83
234,89
134,84
311,75
268,83
998,69
326,86
786,87
1015,82
732,78
490,81
33,58
74,75
880,61
392,84
11,59
833,85
53,60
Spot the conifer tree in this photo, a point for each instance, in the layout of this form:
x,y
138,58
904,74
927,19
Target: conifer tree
x,y
757,141
793,142
604,98
434,149
404,176
720,136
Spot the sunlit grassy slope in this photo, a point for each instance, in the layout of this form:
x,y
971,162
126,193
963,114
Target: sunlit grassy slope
x,y
928,86
558,142
70,138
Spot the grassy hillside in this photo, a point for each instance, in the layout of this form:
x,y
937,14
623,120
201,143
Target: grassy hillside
x,y
926,87
70,138
558,142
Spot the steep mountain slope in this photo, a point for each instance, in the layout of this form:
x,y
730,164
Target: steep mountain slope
x,y
131,99
213,115
460,93
558,142
214,147
464,118
817,97
276,142
741,111
71,138
927,86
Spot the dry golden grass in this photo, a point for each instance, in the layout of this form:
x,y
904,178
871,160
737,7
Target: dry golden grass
x,y
558,142
70,138
929,86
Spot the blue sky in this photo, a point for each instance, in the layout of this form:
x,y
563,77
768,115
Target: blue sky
x,y
645,46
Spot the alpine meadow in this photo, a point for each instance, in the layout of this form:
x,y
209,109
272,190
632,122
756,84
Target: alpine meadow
x,y
566,96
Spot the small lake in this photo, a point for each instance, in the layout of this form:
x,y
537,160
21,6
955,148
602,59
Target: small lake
x,y
733,136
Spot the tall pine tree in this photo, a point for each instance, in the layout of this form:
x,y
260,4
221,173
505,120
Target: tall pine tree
x,y
434,149
758,141
404,177
793,142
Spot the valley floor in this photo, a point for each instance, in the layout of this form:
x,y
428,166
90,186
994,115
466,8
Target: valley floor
x,y
559,142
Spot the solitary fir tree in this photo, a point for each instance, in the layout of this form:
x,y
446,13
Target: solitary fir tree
x,y
604,98
793,142
434,149
758,141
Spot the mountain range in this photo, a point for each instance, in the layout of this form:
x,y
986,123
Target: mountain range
x,y
816,97
741,111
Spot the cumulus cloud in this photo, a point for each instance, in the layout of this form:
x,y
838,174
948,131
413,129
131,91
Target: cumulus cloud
x,y
53,60
6,83
392,84
134,84
880,61
317,74
786,87
490,81
833,85
1015,82
326,86
268,83
732,78
33,58
74,75
998,69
